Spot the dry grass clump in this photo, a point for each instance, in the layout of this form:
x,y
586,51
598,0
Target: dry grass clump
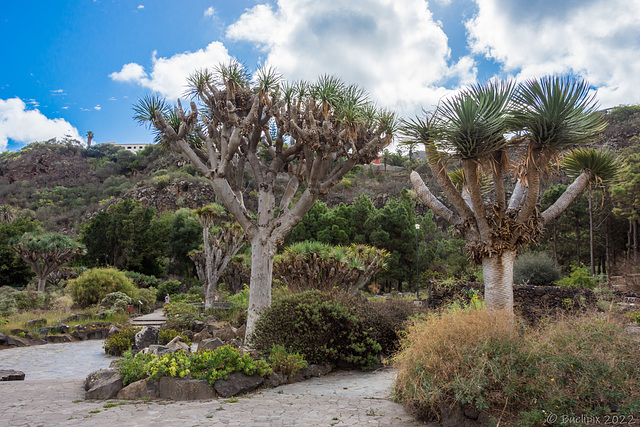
x,y
477,358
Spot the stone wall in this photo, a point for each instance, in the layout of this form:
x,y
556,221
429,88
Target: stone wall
x,y
530,302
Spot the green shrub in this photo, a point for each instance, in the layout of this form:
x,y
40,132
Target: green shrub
x,y
117,302
181,314
318,326
31,300
535,268
94,284
207,365
121,341
8,305
142,280
579,278
171,287
148,298
167,335
477,358
284,362
386,320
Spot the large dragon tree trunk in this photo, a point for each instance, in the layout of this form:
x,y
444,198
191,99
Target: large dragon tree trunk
x,y
42,283
263,251
497,272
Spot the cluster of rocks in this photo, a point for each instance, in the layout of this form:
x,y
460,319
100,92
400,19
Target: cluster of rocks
x,y
108,383
37,331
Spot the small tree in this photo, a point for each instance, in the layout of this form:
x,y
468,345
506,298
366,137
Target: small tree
x,y
45,253
311,133
220,244
499,128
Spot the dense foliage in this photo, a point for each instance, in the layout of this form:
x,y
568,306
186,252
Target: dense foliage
x,y
324,328
535,268
13,270
126,236
207,365
94,284
121,341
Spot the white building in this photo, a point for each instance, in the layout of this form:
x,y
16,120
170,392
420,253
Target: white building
x,y
133,147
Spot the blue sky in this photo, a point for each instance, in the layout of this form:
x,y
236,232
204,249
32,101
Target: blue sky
x,y
75,66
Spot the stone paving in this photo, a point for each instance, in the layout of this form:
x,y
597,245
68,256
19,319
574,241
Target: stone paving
x,y
56,361
338,399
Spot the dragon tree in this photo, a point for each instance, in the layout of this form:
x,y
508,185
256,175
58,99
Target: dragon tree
x,y
312,134
500,134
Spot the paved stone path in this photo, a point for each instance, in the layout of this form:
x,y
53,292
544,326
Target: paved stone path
x,y
338,399
72,360
157,318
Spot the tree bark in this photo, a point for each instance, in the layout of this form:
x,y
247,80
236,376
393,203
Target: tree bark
x,y
591,254
263,250
497,272
42,282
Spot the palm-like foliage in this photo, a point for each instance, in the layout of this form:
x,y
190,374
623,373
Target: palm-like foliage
x,y
602,166
473,123
557,111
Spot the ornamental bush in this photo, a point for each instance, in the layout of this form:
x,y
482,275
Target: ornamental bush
x,y
121,341
535,268
319,327
94,284
117,302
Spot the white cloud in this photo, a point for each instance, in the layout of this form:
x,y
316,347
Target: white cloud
x,y
113,98
140,6
66,107
396,50
58,92
24,126
129,73
596,40
168,75
97,107
210,12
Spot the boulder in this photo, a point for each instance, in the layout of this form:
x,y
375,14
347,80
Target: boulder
x,y
275,379
11,375
56,339
147,336
156,349
241,332
3,339
310,371
36,323
177,344
237,382
79,335
76,317
112,330
187,333
19,332
54,329
183,389
143,389
17,341
212,327
97,334
226,333
198,325
202,335
103,384
210,344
